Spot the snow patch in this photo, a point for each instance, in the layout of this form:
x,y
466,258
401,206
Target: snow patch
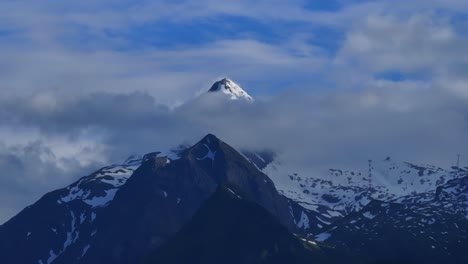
x,y
231,191
322,237
101,201
259,157
304,221
72,236
82,218
85,250
52,257
368,215
210,155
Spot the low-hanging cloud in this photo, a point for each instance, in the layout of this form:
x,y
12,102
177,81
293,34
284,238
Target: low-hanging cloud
x,y
423,125
77,93
306,130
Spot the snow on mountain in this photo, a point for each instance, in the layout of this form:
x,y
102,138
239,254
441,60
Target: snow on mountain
x,y
345,191
231,89
145,200
426,227
100,188
66,218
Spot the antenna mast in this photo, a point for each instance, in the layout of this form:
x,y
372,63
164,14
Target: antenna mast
x,y
458,165
370,177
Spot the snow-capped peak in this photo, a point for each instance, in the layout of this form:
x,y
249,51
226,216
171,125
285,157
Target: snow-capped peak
x,y
230,88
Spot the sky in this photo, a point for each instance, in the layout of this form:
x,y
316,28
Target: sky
x,y
85,84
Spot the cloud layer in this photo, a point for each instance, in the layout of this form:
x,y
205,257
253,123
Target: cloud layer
x,y
87,84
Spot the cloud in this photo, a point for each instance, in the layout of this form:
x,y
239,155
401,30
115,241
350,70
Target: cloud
x,y
420,124
30,170
418,43
84,84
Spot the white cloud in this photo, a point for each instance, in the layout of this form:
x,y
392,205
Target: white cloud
x,y
69,105
417,43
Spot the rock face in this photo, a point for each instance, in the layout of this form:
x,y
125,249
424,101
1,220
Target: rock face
x,y
162,196
229,229
103,218
63,220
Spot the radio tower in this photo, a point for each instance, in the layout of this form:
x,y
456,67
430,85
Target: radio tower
x,y
370,177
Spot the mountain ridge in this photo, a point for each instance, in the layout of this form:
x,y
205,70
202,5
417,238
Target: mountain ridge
x,y
139,212
244,233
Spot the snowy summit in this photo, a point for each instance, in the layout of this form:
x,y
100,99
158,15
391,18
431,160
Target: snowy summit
x,y
230,88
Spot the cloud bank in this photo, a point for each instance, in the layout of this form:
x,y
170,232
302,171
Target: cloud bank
x,y
87,84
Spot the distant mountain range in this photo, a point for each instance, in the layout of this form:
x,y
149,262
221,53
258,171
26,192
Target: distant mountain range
x,y
210,203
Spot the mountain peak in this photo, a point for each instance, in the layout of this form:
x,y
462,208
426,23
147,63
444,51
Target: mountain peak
x,y
230,88
209,138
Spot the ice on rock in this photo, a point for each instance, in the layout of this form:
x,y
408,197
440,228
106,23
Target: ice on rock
x,y
304,221
231,89
369,215
322,237
210,155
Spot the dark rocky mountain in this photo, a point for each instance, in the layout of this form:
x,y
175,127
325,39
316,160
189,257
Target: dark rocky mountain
x,y
62,219
230,229
122,213
423,228
112,217
222,205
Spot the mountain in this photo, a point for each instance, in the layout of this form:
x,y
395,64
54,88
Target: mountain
x,y
220,204
428,227
62,218
122,212
338,192
230,229
231,89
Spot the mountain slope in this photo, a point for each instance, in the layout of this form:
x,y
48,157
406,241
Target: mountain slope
x,y
229,229
423,228
338,192
161,197
231,89
62,218
112,217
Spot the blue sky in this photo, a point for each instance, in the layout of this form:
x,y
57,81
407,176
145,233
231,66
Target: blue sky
x,y
299,40
87,83
268,46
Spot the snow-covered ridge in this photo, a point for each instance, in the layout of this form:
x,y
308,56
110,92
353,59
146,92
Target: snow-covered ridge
x,y
345,191
231,89
95,191
99,189
436,215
